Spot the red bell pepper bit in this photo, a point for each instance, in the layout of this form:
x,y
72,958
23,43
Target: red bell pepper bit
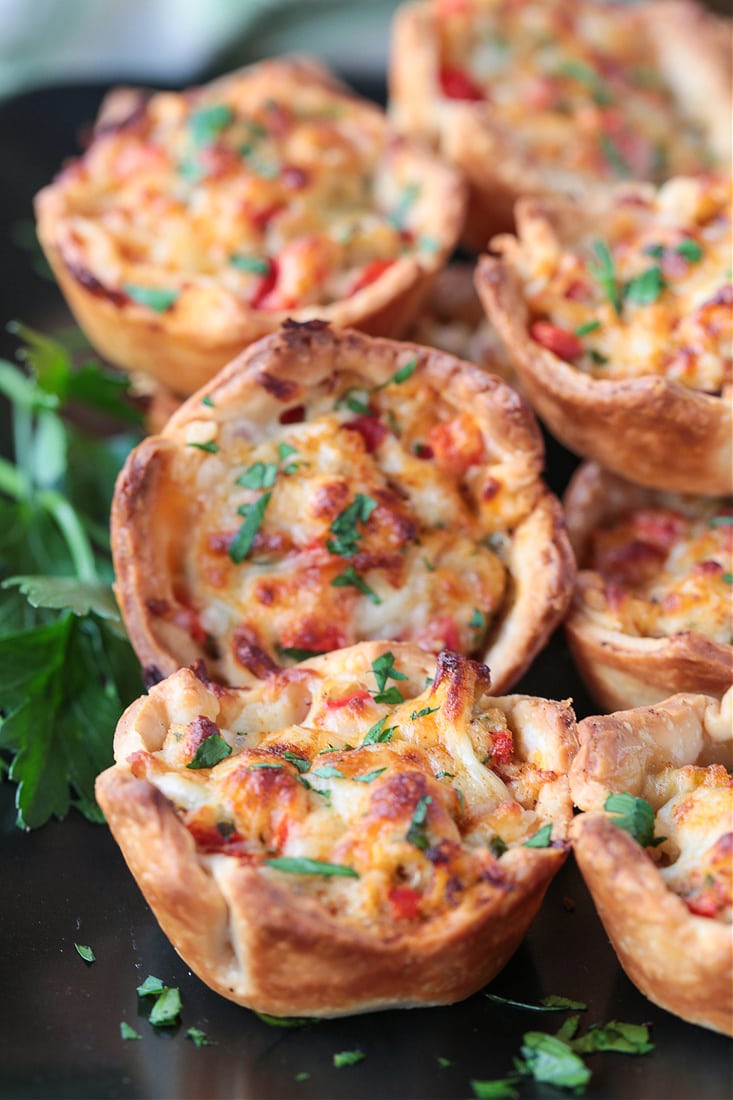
x,y
559,341
405,902
265,287
370,428
457,84
369,275
347,700
502,747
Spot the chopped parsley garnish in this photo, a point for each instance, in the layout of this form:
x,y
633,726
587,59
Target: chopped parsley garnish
x,y
211,447
256,265
721,521
369,777
403,206
328,772
589,78
299,762
541,838
423,713
264,764
245,536
207,401
428,565
417,832
199,1038
285,450
596,356
356,400
127,1032
604,272
294,653
549,1059
477,620
400,375
348,1058
167,1008
284,1021
212,750
645,288
497,846
384,669
351,579
500,1089
444,1063
150,986
616,1036
589,326
613,156
655,250
294,865
346,538
261,475
727,578
378,733
206,124
690,250
302,1076
553,1003
85,952
154,297
635,816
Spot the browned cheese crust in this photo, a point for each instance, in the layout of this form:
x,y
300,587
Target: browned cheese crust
x,y
466,548
624,669
395,933
284,235
516,140
658,428
679,958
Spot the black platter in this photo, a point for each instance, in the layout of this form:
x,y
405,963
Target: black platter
x,y
60,1018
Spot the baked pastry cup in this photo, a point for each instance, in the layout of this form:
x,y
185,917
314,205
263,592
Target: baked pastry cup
x,y
343,838
330,487
667,908
618,317
540,98
651,613
195,223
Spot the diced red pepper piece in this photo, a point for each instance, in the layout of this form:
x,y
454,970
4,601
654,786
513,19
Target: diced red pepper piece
x,y
559,341
457,84
405,902
370,428
265,287
369,274
502,747
346,700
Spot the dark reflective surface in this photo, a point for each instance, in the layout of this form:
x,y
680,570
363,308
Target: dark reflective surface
x,y
60,1017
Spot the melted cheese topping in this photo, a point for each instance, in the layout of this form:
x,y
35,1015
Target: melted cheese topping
x,y
666,569
649,294
234,192
376,517
697,821
416,797
571,85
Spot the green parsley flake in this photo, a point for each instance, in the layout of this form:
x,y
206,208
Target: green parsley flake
x,y
728,578
348,1058
377,733
351,579
284,1021
127,1032
154,297
299,762
207,401
541,838
199,1039
151,986
405,372
206,124
477,620
645,288
85,952
302,1076
635,816
294,865
212,750
500,1089
403,206
589,78
616,1036
356,400
444,1063
255,265
553,1003
344,528
722,521
604,273
245,536
423,713
497,846
261,475
167,1008
549,1059
293,653
417,832
369,777
613,156
384,669
328,772
589,326
211,447
690,250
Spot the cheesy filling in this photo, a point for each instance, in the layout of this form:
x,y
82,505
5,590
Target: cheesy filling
x,y
573,86
237,194
375,515
651,294
381,803
665,569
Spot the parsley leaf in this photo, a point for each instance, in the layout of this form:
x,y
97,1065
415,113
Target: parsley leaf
x,y
417,832
390,695
377,733
369,777
549,1059
351,579
256,265
356,400
620,1037
604,272
199,1038
690,250
645,288
206,124
212,750
300,762
167,1008
541,838
294,653
500,1089
384,669
153,297
295,865
497,846
552,1003
405,202
589,326
444,1063
344,528
348,1058
127,1032
635,816
150,986
211,447
328,772
423,713
245,536
85,952
284,1021
477,620
261,475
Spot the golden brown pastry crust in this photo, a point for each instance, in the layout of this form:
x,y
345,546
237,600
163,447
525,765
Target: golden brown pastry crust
x,y
255,937
154,507
622,670
651,430
689,46
678,959
182,347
